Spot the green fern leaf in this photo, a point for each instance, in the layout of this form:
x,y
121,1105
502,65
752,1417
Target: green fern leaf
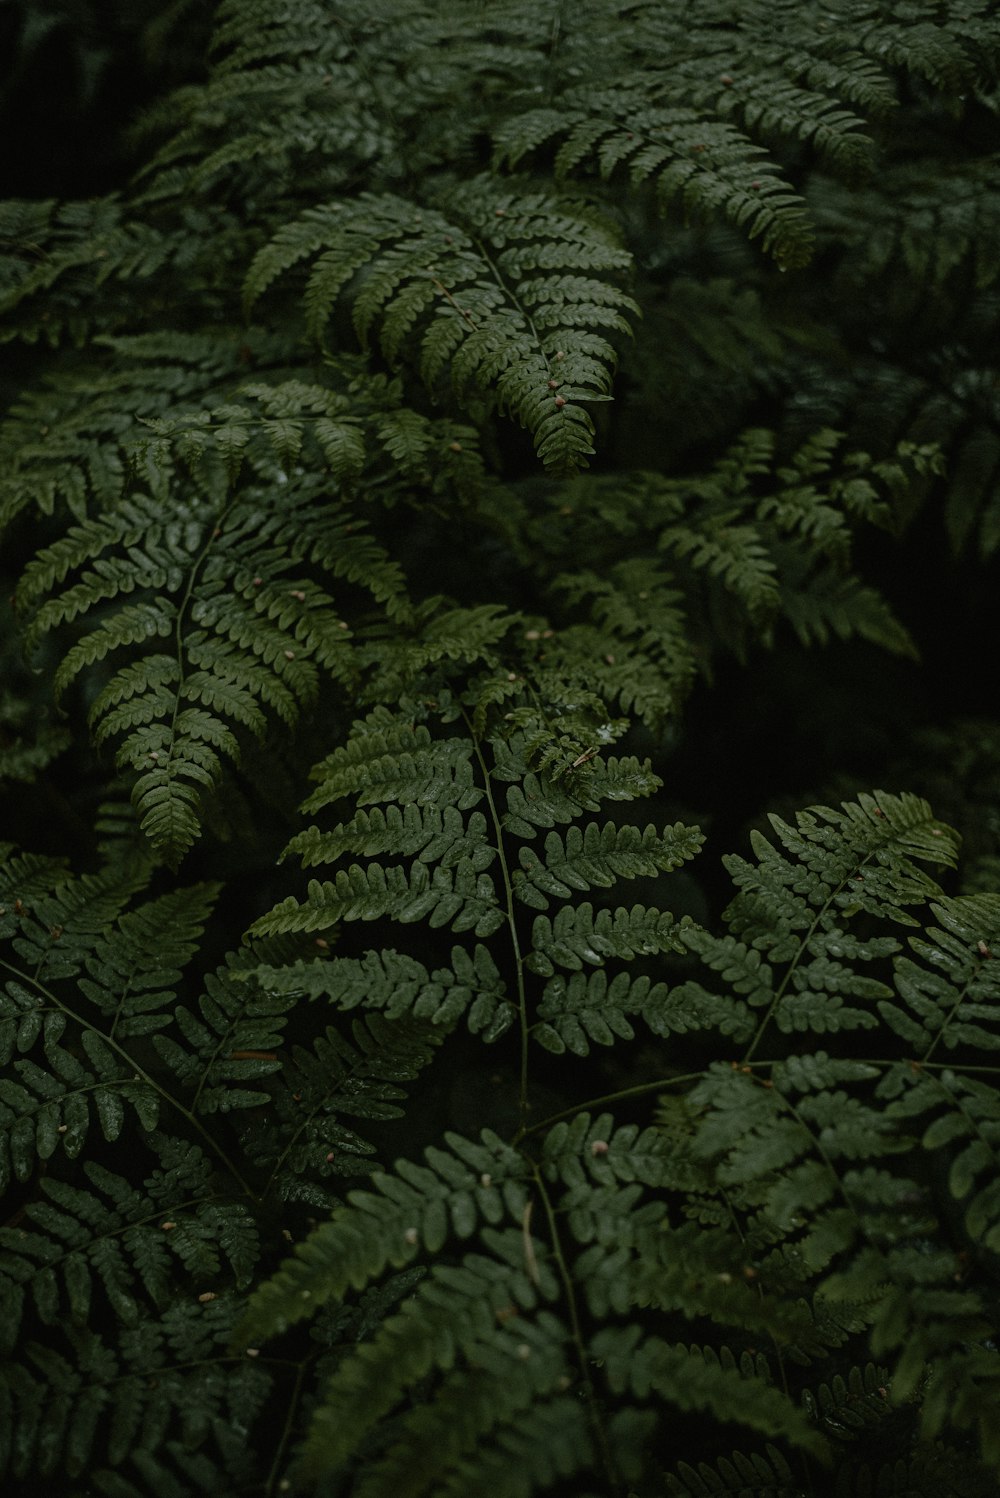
x,y
708,165
50,1106
386,759
229,1044
452,1316
436,836
130,973
457,897
595,856
693,1381
305,1134
418,1205
949,1001
755,1476
577,935
589,1008
595,1150
399,985
108,1238
486,1432
491,287
56,1406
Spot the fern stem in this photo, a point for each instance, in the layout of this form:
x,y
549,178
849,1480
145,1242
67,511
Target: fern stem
x,y
555,37
522,993
182,608
590,1393
286,1433
955,1009
513,297
460,310
641,1090
779,992
956,1066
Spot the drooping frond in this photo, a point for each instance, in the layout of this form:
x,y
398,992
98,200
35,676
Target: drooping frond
x,y
703,164
508,297
242,632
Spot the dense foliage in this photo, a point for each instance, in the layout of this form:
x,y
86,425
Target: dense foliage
x,y
465,421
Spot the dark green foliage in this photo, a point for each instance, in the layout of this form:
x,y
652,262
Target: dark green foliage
x,y
321,628
809,1154
97,1047
505,296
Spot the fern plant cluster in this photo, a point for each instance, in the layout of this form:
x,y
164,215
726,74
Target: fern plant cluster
x,y
398,471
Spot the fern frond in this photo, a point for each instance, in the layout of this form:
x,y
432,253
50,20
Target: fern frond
x,y
763,1477
49,249
947,51
583,1008
593,856
246,641
51,1105
578,935
840,607
434,835
231,1042
851,1404
490,291
640,652
237,550
68,441
695,1380
451,1319
457,897
871,844
387,758
108,1238
399,985
336,1079
539,801
131,971
949,1001
443,644
443,1446
58,1406
57,928
707,165
419,1204
597,1150
821,1146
